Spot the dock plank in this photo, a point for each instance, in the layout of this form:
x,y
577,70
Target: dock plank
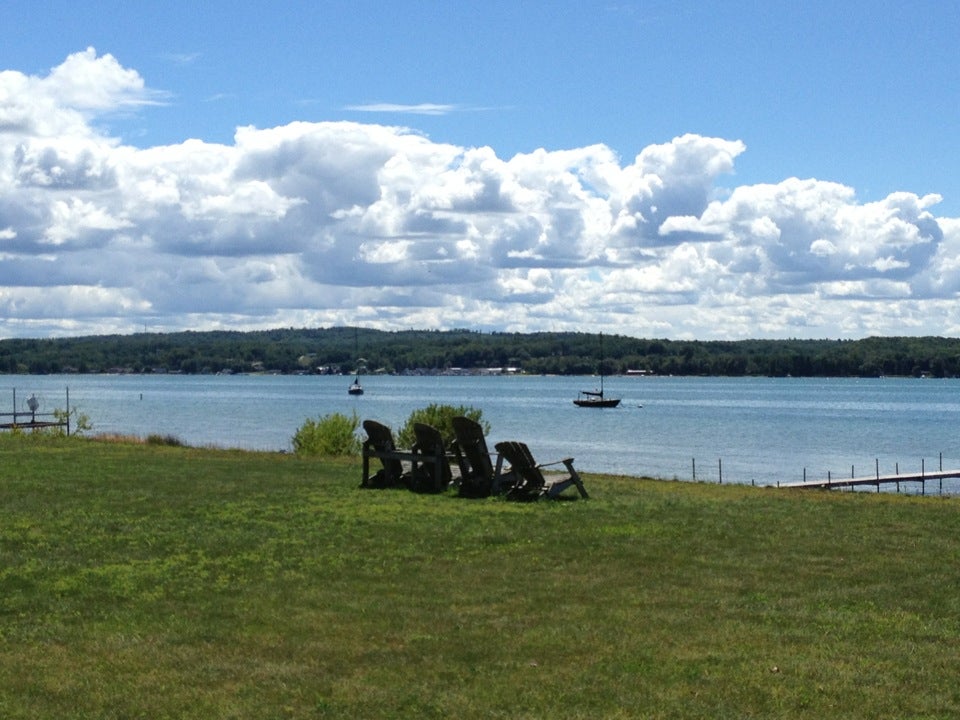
x,y
830,483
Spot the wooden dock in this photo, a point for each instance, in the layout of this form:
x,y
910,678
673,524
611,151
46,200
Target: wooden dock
x,y
29,418
923,477
32,424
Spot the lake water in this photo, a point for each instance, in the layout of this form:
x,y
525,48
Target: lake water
x,y
761,430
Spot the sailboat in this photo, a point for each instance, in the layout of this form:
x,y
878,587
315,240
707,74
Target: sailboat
x,y
355,387
596,398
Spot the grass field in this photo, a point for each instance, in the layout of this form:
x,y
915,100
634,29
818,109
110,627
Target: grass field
x,y
141,581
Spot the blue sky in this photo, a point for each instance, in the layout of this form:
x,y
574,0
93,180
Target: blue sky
x,y
678,169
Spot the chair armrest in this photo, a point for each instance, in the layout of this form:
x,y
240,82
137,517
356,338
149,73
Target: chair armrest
x,y
566,461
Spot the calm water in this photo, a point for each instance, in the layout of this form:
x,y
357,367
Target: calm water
x,y
762,430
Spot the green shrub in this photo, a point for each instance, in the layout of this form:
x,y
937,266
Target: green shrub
x,y
80,422
168,440
334,434
441,417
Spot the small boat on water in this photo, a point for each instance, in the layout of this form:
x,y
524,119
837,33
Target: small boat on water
x,y
596,398
355,387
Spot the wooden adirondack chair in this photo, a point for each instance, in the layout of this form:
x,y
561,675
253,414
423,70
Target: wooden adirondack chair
x,y
531,483
431,467
478,476
379,444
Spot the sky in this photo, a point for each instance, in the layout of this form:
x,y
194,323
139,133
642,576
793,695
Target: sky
x,y
676,169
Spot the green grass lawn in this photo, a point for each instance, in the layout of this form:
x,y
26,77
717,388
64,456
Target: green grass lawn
x,y
141,581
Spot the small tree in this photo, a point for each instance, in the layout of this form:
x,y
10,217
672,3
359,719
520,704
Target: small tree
x,y
80,421
333,434
440,417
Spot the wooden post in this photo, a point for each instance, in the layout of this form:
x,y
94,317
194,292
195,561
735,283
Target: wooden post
x,y
68,411
720,466
694,460
923,479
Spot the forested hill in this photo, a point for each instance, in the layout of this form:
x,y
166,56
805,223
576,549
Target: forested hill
x,y
337,349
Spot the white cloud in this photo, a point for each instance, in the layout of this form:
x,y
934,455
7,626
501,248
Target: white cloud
x,y
73,302
339,222
75,219
88,82
184,58
823,248
416,109
60,105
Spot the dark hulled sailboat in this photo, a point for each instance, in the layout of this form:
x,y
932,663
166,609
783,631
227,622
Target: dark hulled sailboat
x,y
596,398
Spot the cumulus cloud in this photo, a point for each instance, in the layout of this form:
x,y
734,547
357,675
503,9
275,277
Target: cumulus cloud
x,y
341,222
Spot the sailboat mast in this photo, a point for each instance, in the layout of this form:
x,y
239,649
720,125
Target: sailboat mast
x,y
601,366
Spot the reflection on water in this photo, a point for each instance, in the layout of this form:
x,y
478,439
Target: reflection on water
x,y
763,430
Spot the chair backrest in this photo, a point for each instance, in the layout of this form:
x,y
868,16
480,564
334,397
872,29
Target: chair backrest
x,y
476,468
431,450
379,436
380,439
516,453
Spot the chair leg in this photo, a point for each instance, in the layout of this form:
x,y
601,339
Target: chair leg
x,y
575,476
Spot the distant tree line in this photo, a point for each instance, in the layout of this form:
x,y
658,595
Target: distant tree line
x,y
338,350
